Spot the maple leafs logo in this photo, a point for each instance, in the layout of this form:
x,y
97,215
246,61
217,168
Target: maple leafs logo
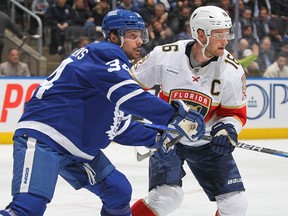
x,y
120,123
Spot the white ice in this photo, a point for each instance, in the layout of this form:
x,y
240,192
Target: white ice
x,y
265,177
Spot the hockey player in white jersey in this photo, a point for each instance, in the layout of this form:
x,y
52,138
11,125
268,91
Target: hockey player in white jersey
x,y
209,80
78,110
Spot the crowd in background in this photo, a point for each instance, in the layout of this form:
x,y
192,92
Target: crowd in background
x,y
262,28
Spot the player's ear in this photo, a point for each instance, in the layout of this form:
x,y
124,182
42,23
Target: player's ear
x,y
201,35
114,38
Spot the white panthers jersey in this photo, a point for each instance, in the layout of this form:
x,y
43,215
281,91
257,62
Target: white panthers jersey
x,y
217,89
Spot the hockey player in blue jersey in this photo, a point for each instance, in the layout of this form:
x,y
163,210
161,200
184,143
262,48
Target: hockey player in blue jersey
x,y
86,103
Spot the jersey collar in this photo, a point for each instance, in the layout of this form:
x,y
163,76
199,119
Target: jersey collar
x,y
188,51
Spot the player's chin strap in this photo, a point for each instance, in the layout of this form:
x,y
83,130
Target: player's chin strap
x,y
122,40
204,47
242,145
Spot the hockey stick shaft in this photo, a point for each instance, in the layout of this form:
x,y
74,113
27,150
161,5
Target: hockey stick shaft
x,y
260,149
238,145
208,138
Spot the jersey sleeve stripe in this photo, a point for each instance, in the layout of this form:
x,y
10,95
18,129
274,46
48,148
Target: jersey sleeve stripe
x,y
118,85
56,136
128,96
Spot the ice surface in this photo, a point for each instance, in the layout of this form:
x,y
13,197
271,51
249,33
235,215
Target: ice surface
x,y
265,177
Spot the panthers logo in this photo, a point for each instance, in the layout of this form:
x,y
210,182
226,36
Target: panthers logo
x,y
195,100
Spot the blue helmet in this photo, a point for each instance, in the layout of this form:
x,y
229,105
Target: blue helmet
x,y
123,20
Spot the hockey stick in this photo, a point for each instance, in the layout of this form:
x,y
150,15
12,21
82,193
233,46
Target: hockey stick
x,y
208,138
172,142
258,148
159,128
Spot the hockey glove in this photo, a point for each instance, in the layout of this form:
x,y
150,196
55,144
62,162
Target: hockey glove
x,y
163,151
223,136
188,122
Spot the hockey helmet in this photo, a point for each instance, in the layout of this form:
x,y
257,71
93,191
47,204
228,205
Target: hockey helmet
x,y
208,18
123,20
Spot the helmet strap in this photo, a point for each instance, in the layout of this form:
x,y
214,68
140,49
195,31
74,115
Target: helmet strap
x,y
121,40
204,46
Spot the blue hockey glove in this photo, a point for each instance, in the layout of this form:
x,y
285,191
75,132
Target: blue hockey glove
x,y
162,150
220,142
188,122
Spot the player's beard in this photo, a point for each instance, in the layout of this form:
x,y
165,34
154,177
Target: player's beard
x,y
134,54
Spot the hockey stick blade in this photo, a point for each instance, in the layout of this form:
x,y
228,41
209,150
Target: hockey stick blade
x,y
141,157
172,142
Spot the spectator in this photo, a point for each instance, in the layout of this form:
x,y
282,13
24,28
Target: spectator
x,y
279,9
83,41
241,6
263,22
246,20
266,54
166,3
147,11
247,33
39,7
92,3
81,14
227,6
99,11
138,3
276,38
6,23
279,68
285,35
243,45
186,34
14,67
158,35
284,47
58,17
178,20
256,6
160,14
248,61
196,4
178,4
127,5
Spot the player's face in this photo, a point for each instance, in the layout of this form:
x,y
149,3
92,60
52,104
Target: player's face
x,y
132,44
217,43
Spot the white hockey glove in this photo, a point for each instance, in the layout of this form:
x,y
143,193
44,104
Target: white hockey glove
x,y
188,122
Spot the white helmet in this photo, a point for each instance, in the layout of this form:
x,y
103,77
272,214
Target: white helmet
x,y
208,18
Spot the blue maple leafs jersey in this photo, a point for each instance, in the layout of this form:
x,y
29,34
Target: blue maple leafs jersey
x,y
87,102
